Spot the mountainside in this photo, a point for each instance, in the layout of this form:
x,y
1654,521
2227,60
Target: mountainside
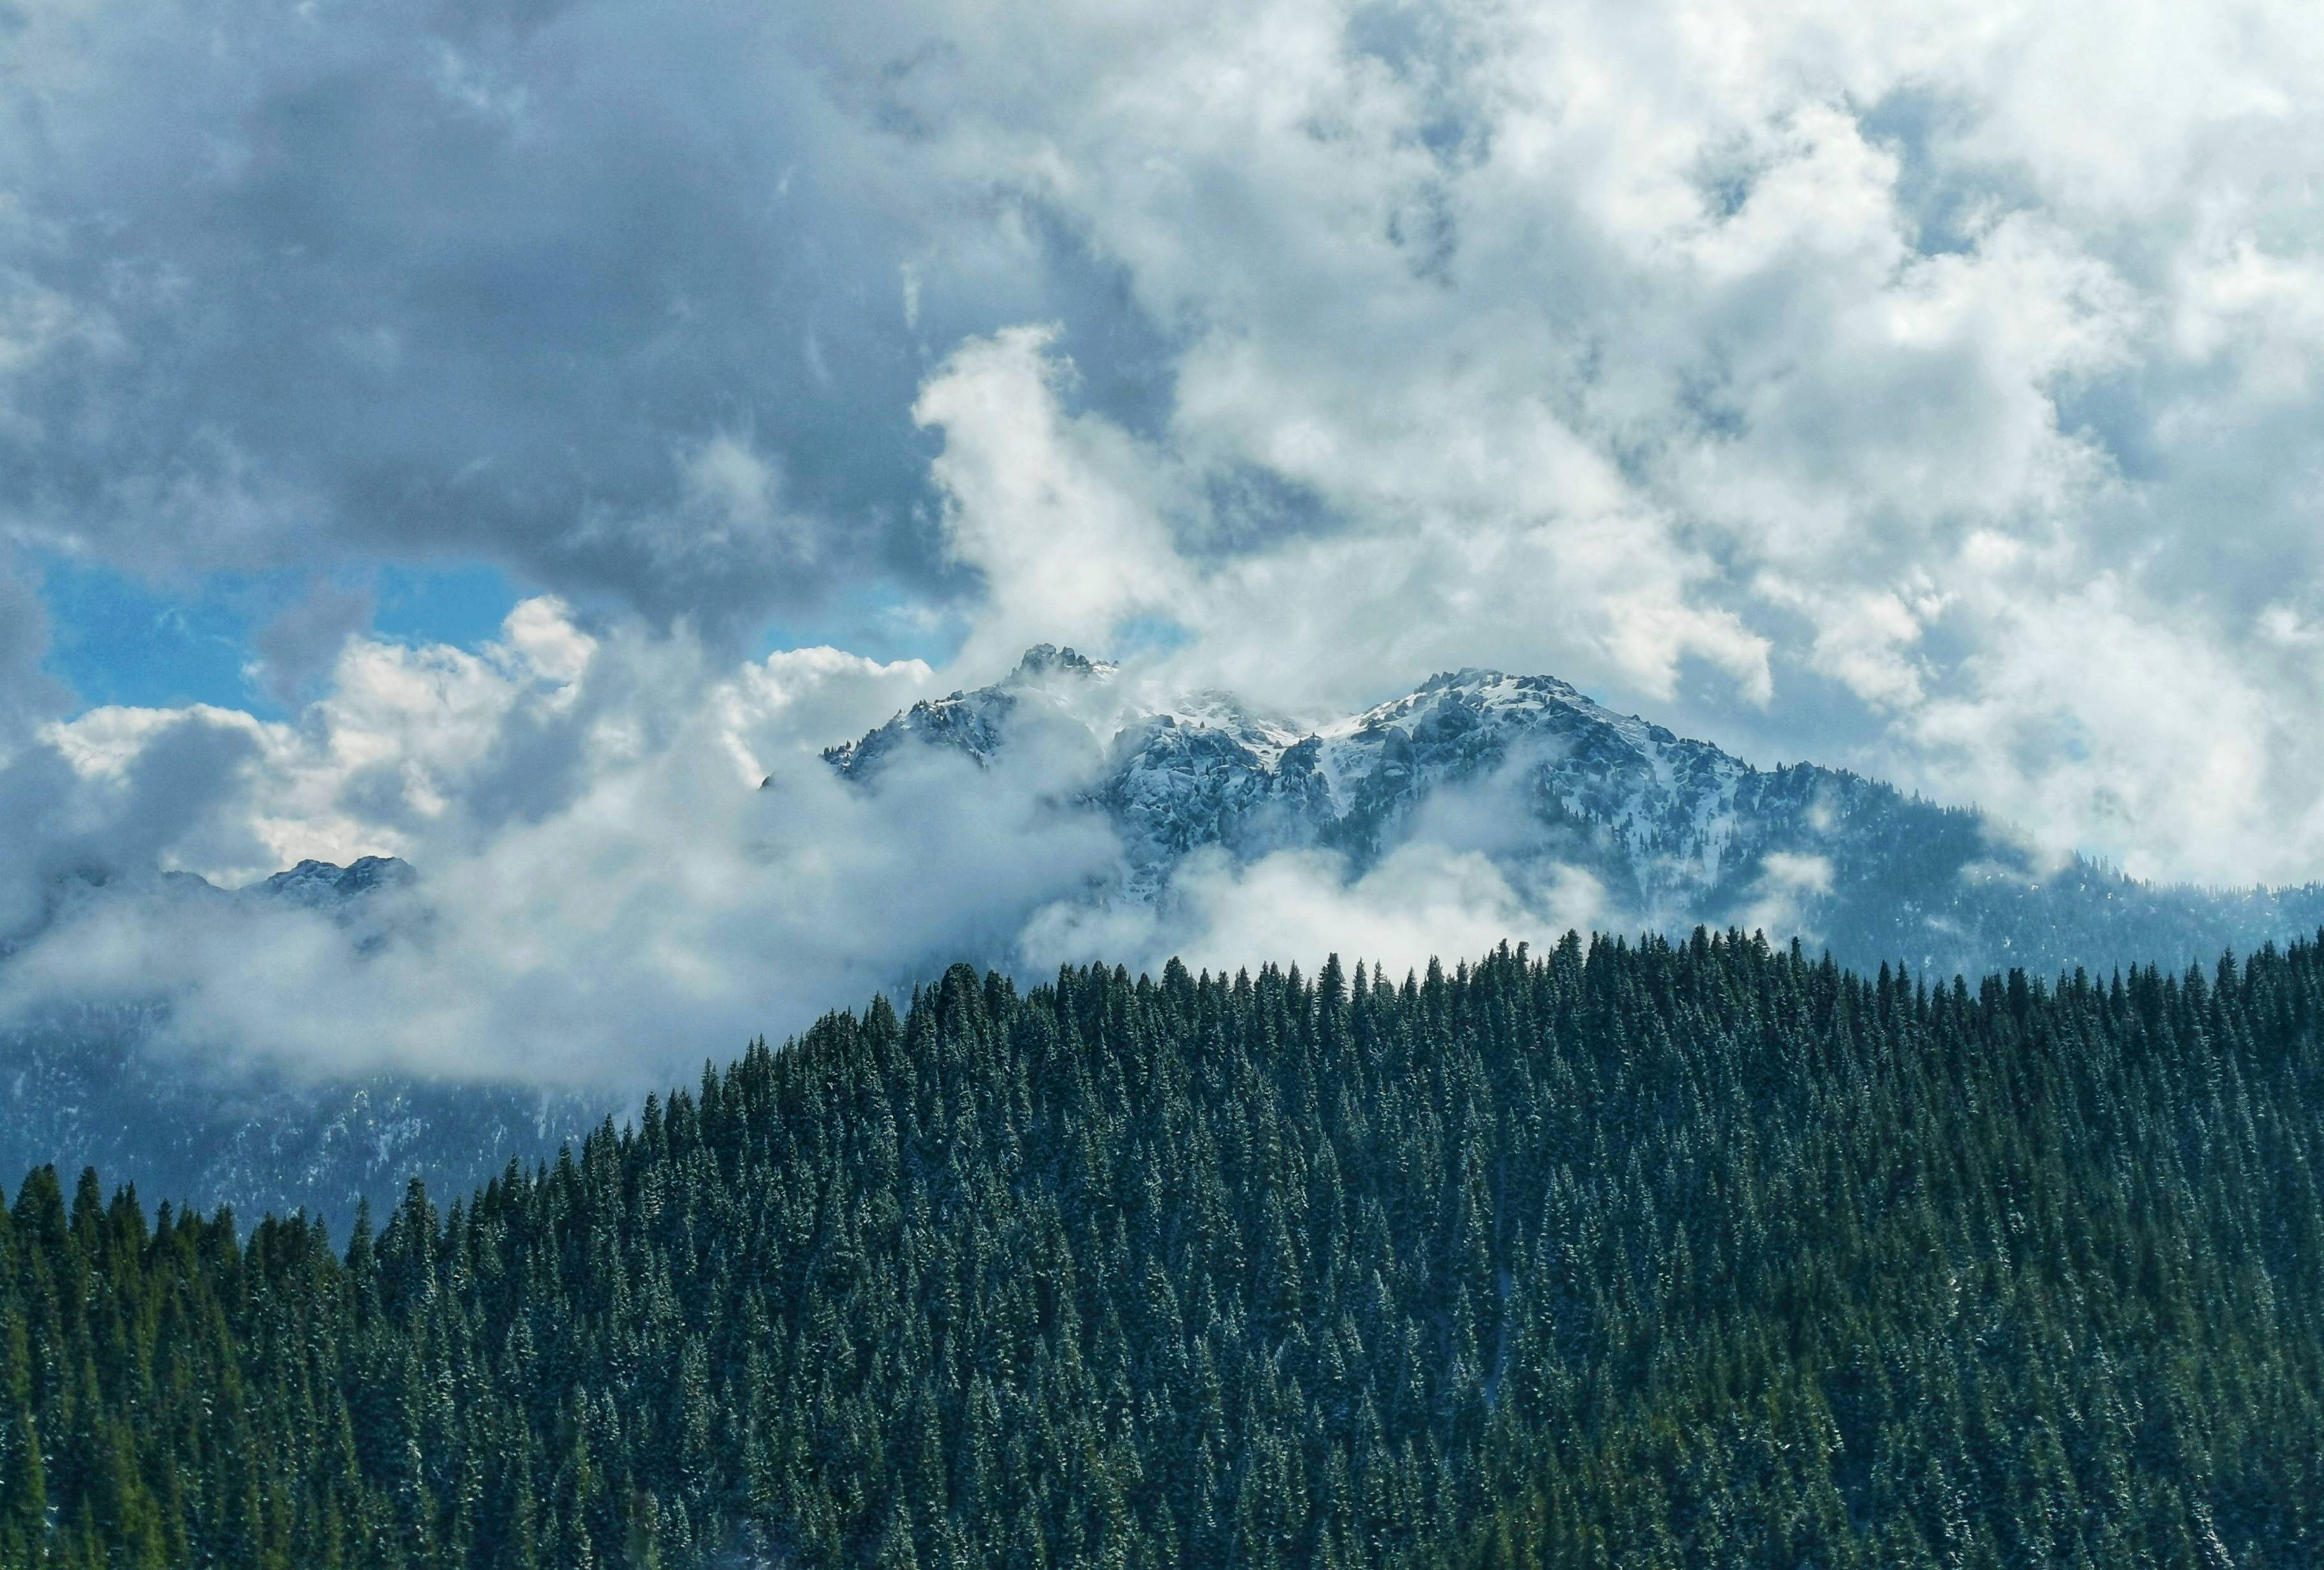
x,y
1677,832
1665,1255
1524,769
86,1083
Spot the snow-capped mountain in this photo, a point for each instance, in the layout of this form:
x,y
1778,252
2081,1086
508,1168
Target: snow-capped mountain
x,y
322,884
85,1083
1049,684
1523,769
1533,773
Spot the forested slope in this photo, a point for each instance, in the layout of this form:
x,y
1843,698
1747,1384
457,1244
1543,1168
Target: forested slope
x,y
1690,1254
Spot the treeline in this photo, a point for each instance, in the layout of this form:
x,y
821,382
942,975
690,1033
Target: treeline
x,y
1667,1255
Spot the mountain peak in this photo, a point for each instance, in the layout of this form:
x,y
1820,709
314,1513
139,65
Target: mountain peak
x,y
1045,659
315,882
1554,791
972,721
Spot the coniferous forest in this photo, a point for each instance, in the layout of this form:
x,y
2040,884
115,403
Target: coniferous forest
x,y
1656,1255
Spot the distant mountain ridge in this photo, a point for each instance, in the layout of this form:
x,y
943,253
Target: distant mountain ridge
x,y
82,1084
1677,832
314,882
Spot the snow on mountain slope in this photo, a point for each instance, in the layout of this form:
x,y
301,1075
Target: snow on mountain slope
x,y
1537,775
1049,683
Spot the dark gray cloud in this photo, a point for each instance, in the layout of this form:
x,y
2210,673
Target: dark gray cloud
x,y
26,693
170,799
298,645
616,297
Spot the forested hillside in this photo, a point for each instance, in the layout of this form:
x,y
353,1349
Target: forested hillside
x,y
1668,1255
87,1083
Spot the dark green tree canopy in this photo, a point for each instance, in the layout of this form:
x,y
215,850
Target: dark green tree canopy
x,y
1660,1254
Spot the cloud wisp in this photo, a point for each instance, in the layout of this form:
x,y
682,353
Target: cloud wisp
x,y
602,886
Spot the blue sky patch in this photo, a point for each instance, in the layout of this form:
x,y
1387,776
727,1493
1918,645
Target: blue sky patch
x,y
114,639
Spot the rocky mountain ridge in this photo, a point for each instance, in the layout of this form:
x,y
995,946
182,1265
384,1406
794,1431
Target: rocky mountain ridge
x,y
1675,831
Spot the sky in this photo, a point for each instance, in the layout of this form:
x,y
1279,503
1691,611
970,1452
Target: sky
x,y
500,435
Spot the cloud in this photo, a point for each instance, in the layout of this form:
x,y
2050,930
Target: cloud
x,y
2130,725
26,694
1788,368
1473,866
1062,515
302,640
1787,882
604,888
1422,900
649,926
120,802
630,851
614,303
1935,392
